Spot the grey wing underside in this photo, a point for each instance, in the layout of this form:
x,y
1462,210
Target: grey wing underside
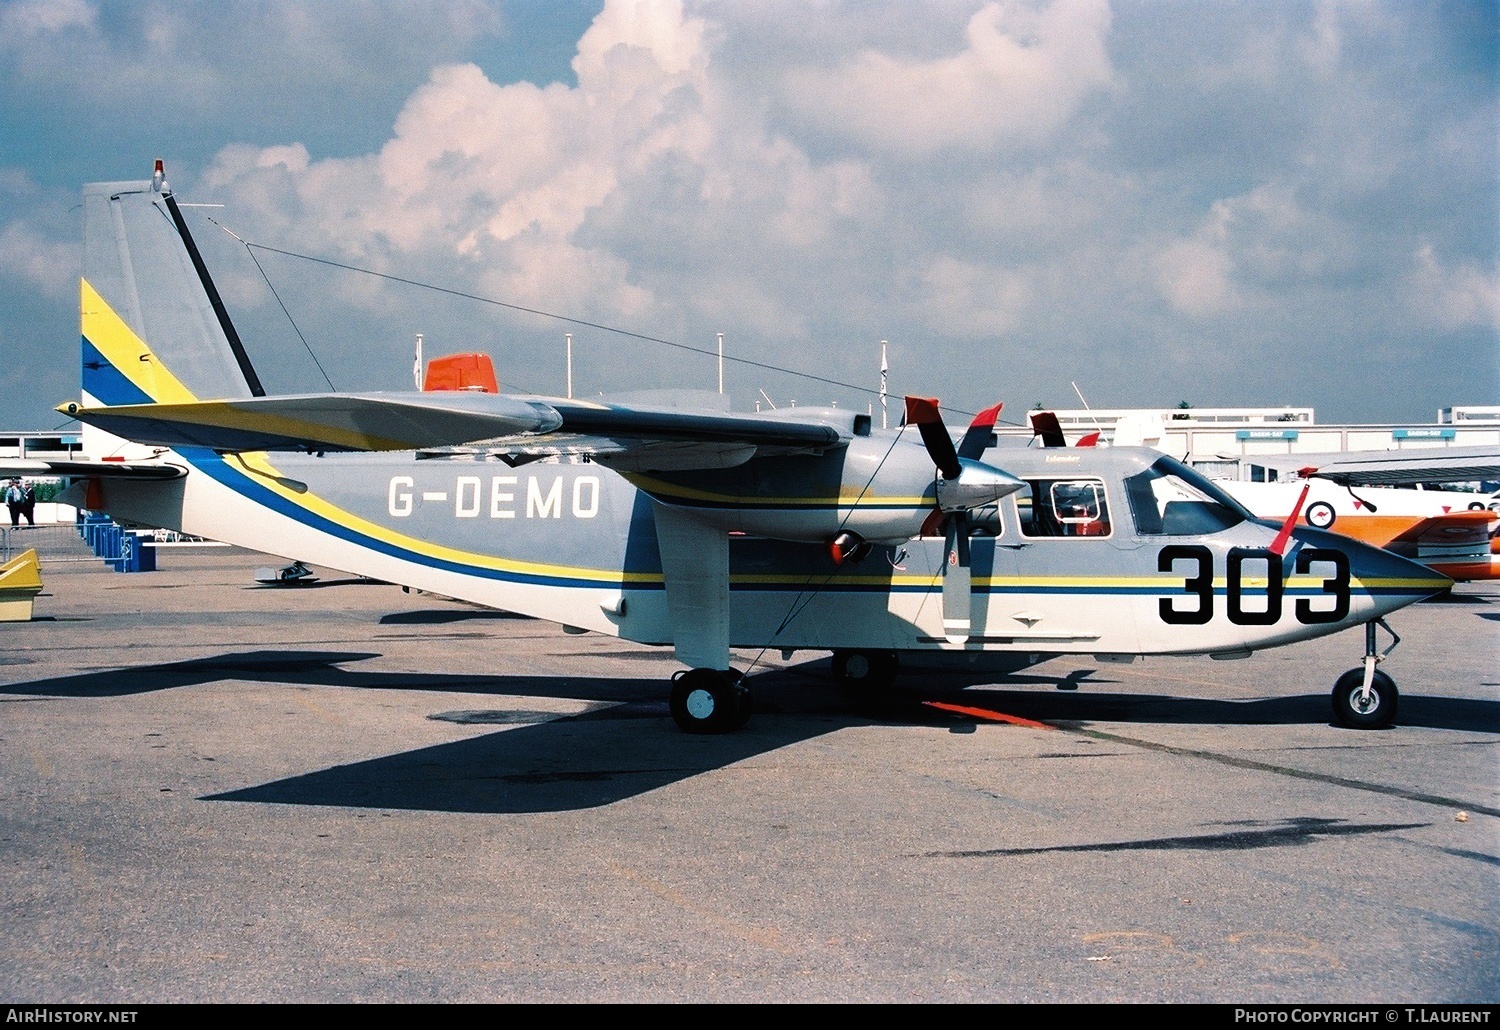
x,y
466,425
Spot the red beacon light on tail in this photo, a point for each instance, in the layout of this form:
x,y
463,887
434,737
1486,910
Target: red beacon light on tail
x,y
474,373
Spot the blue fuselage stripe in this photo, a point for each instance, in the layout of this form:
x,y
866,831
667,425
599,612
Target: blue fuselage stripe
x,y
215,466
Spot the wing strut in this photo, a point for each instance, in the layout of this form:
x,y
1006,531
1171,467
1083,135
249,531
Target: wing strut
x,y
695,567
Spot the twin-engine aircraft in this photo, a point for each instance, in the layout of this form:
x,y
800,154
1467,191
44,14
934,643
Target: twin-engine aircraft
x,y
802,530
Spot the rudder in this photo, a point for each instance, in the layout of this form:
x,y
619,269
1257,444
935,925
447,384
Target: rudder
x,y
153,326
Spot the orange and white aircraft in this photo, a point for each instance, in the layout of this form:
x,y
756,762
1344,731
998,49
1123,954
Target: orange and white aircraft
x,y
1373,496
1438,528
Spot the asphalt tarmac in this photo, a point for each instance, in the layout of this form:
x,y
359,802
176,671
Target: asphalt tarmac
x,y
217,791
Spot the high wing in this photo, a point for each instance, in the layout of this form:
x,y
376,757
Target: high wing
x,y
1391,468
519,428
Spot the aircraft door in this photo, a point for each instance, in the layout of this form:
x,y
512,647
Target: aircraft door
x,y
1072,562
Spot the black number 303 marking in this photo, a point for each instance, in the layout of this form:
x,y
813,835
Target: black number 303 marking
x,y
1198,583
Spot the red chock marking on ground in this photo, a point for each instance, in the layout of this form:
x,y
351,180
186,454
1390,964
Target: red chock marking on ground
x,y
987,715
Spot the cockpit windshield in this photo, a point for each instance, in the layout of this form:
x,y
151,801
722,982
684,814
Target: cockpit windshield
x,y
1171,499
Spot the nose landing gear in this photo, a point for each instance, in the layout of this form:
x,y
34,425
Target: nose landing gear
x,y
1365,698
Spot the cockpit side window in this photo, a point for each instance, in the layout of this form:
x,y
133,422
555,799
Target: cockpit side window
x,y
1170,499
1063,508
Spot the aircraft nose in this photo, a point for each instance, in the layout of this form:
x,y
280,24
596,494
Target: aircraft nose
x,y
977,484
1390,581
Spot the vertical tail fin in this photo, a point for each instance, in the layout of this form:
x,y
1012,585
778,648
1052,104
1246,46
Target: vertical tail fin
x,y
153,326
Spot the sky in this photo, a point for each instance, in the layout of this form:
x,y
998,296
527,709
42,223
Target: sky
x,y
1148,203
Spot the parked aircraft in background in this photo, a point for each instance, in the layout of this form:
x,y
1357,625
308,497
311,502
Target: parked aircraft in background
x,y
800,530
1451,532
1408,501
1386,498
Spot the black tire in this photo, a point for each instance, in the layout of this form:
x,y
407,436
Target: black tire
x,y
1320,515
709,701
1378,713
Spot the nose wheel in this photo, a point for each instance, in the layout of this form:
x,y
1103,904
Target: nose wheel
x,y
709,701
1359,708
1365,698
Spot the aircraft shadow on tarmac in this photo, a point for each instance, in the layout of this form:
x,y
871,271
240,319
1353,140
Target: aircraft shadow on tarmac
x,y
626,744
435,617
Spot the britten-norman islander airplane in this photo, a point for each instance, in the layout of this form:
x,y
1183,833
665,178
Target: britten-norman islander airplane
x,y
796,530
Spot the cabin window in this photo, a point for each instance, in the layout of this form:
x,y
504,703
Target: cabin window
x,y
1170,499
1063,507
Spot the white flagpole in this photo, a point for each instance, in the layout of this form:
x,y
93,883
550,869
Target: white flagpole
x,y
884,423
416,369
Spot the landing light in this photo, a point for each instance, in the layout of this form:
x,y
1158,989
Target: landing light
x,y
848,547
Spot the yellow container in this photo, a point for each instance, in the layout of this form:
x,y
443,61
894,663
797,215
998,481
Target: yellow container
x,y
20,582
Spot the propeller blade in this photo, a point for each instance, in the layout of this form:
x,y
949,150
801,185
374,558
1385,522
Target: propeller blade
x,y
1045,425
923,411
958,598
980,430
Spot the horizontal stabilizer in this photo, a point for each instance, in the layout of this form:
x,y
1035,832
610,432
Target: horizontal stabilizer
x,y
94,469
1453,529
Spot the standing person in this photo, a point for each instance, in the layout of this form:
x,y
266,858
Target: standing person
x,y
15,499
28,503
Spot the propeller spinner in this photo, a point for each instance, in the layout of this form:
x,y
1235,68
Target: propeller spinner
x,y
964,483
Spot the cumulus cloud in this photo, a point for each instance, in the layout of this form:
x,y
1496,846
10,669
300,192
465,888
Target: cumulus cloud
x,y
974,301
1195,276
1254,248
1020,76
29,19
1453,297
45,264
39,247
544,195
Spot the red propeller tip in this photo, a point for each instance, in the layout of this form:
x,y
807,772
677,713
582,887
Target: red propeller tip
x,y
921,410
987,418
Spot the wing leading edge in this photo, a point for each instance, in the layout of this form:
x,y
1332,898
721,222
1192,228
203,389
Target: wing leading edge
x,y
1391,468
507,426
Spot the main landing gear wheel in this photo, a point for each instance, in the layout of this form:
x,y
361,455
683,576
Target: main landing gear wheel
x,y
709,701
1356,710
